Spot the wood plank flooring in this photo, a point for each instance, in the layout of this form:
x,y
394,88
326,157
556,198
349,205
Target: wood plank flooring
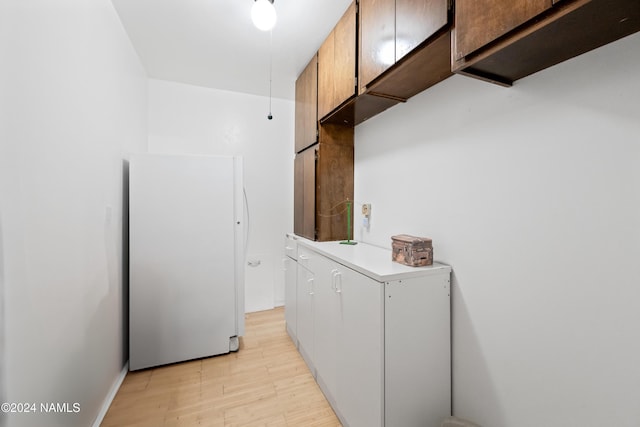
x,y
266,383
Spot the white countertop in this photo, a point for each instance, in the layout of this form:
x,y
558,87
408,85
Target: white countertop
x,y
372,261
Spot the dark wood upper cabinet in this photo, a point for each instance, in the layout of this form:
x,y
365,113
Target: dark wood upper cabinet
x,y
345,41
502,41
416,21
377,39
306,106
337,64
405,46
325,75
482,21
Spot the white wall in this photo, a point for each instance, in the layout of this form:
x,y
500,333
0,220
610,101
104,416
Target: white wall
x,y
186,119
532,194
73,104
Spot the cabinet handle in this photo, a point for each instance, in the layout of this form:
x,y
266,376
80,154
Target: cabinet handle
x,y
311,288
303,257
289,248
335,278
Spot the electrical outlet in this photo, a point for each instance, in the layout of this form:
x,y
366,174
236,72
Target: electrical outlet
x,y
366,215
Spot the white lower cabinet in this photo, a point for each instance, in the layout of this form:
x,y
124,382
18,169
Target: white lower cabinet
x,y
379,349
360,354
417,338
348,342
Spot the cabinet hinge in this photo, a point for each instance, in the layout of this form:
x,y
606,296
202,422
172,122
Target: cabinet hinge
x,y
356,83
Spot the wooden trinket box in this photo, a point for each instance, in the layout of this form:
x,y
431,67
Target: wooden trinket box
x,y
412,251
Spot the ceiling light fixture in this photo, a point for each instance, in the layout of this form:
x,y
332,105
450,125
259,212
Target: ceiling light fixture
x,y
263,14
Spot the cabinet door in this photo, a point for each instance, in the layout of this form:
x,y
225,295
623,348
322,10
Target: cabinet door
x,y
390,29
305,290
326,77
300,111
377,39
416,21
345,57
304,189
306,106
360,349
479,22
326,326
290,297
337,64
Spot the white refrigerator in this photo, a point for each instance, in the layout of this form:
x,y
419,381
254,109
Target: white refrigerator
x,y
186,258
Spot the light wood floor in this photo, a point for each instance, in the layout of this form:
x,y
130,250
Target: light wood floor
x,y
266,383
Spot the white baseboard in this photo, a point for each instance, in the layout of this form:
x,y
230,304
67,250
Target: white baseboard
x,y
112,394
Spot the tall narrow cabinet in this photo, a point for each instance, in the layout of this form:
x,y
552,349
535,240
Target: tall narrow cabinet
x,y
323,167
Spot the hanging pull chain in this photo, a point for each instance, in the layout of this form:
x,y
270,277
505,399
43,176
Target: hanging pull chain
x,y
270,116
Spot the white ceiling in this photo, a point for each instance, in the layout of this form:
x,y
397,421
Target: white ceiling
x,y
213,43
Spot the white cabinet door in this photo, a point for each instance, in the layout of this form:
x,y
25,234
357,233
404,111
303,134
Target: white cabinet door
x,y
326,325
305,289
347,339
290,297
360,349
